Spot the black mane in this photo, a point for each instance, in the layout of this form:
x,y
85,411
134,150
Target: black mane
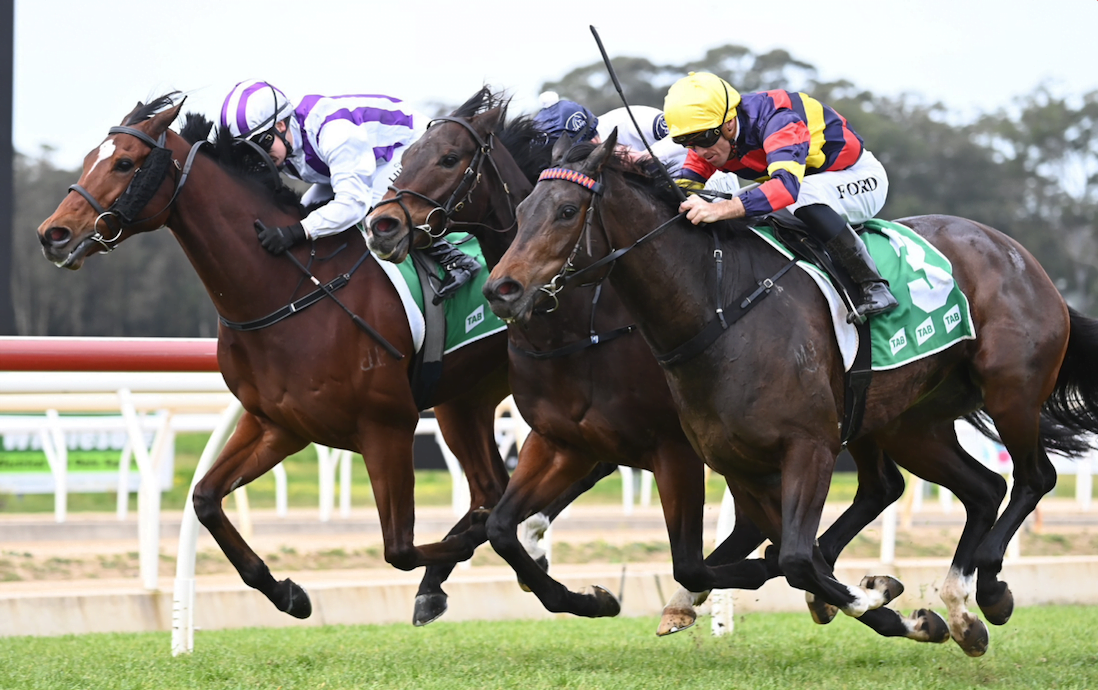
x,y
643,174
144,111
241,161
519,136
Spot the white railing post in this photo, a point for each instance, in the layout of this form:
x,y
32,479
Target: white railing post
x,y
888,534
723,613
183,594
57,455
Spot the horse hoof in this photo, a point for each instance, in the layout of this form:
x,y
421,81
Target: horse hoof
x,y
999,612
543,563
297,601
822,612
973,637
428,609
885,585
676,620
928,626
606,604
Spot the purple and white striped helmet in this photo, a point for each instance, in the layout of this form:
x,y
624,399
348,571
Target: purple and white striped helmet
x,y
253,107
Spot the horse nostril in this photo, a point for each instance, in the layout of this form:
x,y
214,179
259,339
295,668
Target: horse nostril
x,y
55,236
384,226
508,287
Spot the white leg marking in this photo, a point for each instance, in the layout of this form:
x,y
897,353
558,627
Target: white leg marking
x,y
531,532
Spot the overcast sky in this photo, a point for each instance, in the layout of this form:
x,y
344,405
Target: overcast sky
x,y
81,65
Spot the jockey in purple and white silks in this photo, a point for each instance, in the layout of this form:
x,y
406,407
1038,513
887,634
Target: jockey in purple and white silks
x,y
348,147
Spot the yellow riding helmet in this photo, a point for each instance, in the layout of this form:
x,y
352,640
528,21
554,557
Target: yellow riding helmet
x,y
697,102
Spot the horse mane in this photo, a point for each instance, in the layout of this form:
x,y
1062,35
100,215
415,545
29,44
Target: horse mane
x,y
519,136
241,162
644,174
145,111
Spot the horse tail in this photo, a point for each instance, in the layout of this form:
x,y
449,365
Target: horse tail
x,y
1071,412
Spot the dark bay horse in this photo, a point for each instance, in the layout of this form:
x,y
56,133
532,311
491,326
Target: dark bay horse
x,y
312,377
606,402
762,402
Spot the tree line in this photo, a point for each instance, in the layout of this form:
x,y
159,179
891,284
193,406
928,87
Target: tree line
x,y
1029,169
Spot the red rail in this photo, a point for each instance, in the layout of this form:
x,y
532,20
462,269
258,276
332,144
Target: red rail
x,y
108,354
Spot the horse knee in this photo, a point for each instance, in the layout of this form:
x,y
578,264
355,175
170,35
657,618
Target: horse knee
x,y
692,577
207,504
501,528
799,570
401,558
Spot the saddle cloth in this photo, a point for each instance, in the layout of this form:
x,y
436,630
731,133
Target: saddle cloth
x,y
933,313
468,317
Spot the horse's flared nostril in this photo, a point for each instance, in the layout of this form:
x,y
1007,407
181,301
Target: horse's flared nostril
x,y
503,289
56,236
384,226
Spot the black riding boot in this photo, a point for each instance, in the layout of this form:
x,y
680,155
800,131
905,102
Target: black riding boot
x,y
849,250
459,267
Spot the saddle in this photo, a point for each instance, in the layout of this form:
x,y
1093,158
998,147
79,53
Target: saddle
x,y
794,234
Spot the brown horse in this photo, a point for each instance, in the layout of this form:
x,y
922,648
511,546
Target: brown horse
x,y
762,401
313,377
587,385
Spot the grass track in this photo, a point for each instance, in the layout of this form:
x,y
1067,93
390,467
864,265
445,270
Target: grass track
x,y
1047,647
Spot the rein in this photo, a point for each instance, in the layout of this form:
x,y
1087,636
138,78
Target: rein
x,y
461,195
143,186
725,315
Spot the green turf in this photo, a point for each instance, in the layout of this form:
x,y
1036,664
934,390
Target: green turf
x,y
1048,647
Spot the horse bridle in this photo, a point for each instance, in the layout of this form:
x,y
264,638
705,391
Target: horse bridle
x,y
461,195
144,184
568,272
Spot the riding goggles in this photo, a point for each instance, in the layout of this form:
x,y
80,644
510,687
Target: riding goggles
x,y
703,139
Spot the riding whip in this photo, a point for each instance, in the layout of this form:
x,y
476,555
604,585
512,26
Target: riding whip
x,y
614,77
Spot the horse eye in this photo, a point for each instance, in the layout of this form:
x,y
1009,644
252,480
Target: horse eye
x,y
568,212
123,166
449,160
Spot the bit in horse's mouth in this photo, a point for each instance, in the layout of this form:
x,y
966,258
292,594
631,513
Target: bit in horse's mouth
x,y
76,255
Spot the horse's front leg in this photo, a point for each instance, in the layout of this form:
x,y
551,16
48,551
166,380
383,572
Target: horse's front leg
x,y
468,425
254,448
544,472
806,473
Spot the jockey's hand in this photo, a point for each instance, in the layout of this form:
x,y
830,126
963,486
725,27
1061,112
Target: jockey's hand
x,y
699,211
279,238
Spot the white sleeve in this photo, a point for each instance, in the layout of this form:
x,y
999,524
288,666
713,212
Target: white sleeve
x,y
349,155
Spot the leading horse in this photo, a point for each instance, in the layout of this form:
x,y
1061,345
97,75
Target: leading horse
x,y
587,385
314,376
762,401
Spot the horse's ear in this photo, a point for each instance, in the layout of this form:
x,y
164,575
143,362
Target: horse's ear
x,y
564,142
159,123
133,112
601,155
488,121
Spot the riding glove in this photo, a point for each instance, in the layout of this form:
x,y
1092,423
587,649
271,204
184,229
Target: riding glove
x,y
279,238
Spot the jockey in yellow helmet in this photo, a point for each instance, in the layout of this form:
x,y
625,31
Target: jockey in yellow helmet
x,y
807,157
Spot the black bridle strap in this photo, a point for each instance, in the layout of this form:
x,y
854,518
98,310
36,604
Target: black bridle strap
x,y
463,190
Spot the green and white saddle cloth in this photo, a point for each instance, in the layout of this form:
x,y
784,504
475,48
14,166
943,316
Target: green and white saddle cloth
x,y
468,317
933,313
